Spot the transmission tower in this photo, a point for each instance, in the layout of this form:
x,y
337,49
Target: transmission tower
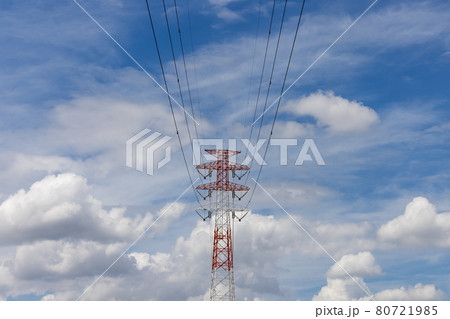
x,y
222,277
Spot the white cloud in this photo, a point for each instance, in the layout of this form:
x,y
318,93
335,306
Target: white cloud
x,y
76,123
184,271
264,240
61,259
228,15
73,139
335,113
347,289
290,193
181,274
6,281
292,129
420,226
395,27
24,163
221,10
359,265
61,207
341,287
418,292
160,262
72,258
221,2
63,238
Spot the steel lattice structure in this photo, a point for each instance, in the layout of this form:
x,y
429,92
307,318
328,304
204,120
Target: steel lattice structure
x,y
222,277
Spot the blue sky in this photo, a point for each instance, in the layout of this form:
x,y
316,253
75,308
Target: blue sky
x,y
376,105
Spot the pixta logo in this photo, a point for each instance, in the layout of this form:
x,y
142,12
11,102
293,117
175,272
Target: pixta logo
x,y
142,149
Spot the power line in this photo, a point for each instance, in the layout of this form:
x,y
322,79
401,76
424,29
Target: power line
x,y
270,79
279,100
184,63
261,77
170,101
130,56
273,67
178,78
185,68
253,62
320,56
192,51
188,85
176,68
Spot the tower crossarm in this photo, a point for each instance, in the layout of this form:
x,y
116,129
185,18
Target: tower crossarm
x,y
220,165
230,186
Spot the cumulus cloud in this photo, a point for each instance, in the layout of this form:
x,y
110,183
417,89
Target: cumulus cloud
x,y
60,206
6,282
183,272
67,254
341,287
420,226
71,238
68,261
60,238
68,266
281,235
335,113
417,292
359,265
292,129
264,240
346,289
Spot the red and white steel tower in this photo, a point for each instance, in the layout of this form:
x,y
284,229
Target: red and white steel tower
x,y
222,278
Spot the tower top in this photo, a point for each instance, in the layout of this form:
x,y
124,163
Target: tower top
x,y
220,154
